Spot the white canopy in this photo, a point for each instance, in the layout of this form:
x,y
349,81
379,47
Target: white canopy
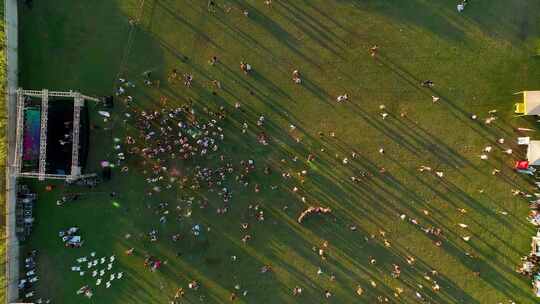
x,y
532,102
533,153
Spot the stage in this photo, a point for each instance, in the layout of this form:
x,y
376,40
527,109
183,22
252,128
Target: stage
x,y
59,136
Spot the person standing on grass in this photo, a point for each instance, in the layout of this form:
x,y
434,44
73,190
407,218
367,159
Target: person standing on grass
x,y
216,83
374,50
245,67
211,6
188,80
342,98
296,77
461,6
428,84
173,75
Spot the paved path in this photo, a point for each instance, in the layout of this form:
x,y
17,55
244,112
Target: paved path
x,y
12,243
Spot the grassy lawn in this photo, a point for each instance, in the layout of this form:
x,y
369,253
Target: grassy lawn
x,y
476,59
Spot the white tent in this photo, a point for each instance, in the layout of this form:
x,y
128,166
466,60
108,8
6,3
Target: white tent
x,y
531,99
533,153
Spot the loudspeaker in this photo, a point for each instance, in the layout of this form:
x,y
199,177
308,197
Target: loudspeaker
x,y
109,102
106,173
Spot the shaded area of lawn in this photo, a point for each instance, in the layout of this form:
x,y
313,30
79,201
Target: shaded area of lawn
x,y
476,59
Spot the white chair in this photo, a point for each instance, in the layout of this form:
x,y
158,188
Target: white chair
x,y
523,140
81,260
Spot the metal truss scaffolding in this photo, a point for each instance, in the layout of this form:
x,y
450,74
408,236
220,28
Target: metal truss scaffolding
x,y
78,103
43,133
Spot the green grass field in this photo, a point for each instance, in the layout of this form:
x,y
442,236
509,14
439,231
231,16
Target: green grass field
x,y
477,60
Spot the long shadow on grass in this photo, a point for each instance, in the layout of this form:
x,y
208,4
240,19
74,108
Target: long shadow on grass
x,y
432,16
176,15
328,229
394,183
315,30
343,249
489,272
456,197
452,194
278,32
319,28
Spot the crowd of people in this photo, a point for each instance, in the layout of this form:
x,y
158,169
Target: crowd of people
x,y
27,285
530,266
165,136
185,147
